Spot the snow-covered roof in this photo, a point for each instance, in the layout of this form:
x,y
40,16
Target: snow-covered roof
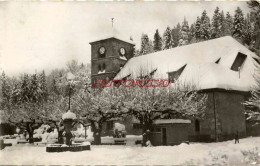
x,y
165,121
201,67
113,33
170,121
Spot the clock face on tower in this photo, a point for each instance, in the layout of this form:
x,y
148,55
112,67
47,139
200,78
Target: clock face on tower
x,y
122,51
102,50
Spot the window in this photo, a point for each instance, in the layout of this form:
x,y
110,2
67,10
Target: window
x,y
101,68
240,59
173,76
197,125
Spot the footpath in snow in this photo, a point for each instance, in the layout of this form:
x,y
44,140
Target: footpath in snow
x,y
222,153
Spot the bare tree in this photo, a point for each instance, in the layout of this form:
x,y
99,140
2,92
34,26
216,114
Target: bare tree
x,y
148,104
98,107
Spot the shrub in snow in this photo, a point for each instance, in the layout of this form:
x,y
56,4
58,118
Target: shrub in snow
x,y
38,133
45,137
252,156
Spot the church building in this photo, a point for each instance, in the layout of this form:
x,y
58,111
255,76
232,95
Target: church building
x,y
222,68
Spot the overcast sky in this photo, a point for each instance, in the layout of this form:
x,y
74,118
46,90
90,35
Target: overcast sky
x,y
45,35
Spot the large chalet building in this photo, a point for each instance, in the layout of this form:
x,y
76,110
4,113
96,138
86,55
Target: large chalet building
x,y
222,68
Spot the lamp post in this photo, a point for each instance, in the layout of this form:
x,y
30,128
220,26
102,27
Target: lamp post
x,y
70,78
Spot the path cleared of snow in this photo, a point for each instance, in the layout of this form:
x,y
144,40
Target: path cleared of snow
x,y
222,153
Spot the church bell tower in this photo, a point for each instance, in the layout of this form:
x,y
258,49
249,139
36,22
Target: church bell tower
x,y
109,55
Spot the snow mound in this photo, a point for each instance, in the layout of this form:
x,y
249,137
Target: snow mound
x,y
86,143
221,153
119,127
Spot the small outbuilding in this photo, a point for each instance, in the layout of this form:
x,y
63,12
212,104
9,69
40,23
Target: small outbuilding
x,y
169,132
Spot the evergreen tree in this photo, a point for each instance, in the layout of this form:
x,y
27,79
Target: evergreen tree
x,y
205,26
136,52
192,34
228,23
184,36
157,43
54,89
238,24
150,47
167,39
25,89
16,95
146,46
5,92
43,87
216,24
198,29
255,22
247,32
34,89
176,35
222,23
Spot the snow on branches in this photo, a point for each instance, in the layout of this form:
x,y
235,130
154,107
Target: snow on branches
x,y
149,104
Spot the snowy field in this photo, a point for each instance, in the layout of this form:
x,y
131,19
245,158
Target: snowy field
x,y
223,153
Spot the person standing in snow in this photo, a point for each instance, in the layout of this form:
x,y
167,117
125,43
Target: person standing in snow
x,y
236,138
146,138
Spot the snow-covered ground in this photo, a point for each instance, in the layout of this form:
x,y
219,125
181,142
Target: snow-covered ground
x,y
222,153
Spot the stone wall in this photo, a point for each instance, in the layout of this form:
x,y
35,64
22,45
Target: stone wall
x,y
229,111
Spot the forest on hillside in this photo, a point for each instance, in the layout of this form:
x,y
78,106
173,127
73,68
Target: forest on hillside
x,y
244,28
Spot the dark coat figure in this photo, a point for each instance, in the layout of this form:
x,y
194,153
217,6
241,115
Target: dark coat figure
x,y
146,137
236,138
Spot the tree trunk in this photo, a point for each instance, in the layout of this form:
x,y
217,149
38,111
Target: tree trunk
x,y
30,130
30,137
60,137
96,128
